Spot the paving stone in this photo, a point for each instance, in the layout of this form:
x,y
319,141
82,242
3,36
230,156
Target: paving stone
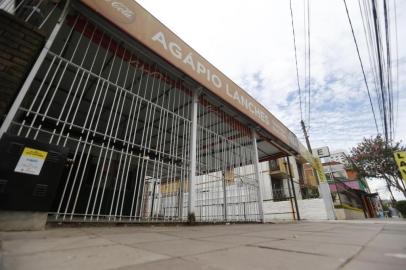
x,y
333,239
171,264
236,239
342,252
260,258
389,240
22,246
314,228
358,265
138,237
276,234
182,247
49,233
100,258
384,256
197,233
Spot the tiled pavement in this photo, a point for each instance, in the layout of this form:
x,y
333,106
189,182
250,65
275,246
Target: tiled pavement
x,y
306,245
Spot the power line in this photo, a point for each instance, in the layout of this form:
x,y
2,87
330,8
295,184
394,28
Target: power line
x,y
388,68
297,69
305,57
397,67
379,44
381,79
308,62
366,22
362,66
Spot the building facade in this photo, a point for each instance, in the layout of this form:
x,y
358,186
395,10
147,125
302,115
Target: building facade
x,y
152,132
340,157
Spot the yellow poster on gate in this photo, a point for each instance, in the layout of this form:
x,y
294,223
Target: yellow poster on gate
x,y
31,161
400,158
319,170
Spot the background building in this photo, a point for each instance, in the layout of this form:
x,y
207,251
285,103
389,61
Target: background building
x,y
339,156
351,195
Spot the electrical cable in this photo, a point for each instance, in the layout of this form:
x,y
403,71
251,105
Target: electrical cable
x,y
366,22
308,62
397,68
362,66
297,69
388,69
380,66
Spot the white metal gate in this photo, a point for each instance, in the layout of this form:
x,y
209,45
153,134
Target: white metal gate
x,y
126,120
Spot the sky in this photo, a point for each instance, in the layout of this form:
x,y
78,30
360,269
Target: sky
x,y
251,42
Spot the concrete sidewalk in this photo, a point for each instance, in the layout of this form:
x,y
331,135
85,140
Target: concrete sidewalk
x,y
321,245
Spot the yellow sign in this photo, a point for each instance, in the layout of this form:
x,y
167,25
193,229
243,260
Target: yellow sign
x,y
34,153
173,186
319,170
400,158
31,161
229,176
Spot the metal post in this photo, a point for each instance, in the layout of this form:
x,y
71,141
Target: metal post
x,y
257,175
225,195
289,189
180,200
293,189
192,164
27,83
152,200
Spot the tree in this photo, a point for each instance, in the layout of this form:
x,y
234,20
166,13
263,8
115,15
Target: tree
x,y
373,158
401,206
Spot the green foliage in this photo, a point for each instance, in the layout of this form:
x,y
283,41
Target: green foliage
x,y
401,206
373,158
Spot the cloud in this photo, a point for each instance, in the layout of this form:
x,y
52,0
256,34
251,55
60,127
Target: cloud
x,y
377,185
251,42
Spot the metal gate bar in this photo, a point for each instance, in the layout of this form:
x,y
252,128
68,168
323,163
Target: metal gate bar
x,y
226,186
127,123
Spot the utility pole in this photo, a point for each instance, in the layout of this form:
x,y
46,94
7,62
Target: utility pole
x,y
309,148
324,189
306,137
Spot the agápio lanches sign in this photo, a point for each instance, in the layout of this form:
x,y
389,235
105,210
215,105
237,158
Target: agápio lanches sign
x,y
133,19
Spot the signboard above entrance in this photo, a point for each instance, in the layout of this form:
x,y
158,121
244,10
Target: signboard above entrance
x,y
133,19
321,152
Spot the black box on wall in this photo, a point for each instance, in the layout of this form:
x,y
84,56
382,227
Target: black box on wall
x,y
30,173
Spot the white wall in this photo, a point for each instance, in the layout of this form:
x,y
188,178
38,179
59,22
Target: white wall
x,y
295,175
266,181
312,209
277,210
349,214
